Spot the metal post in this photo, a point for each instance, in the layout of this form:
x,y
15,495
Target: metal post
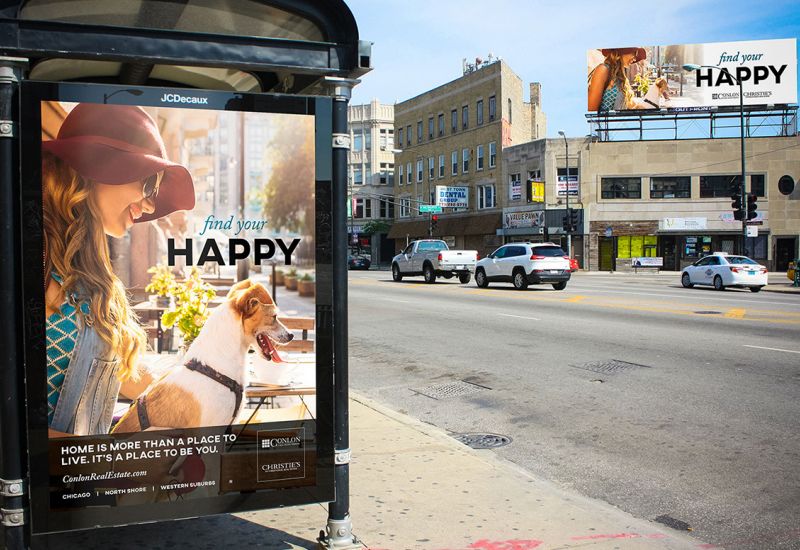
x,y
242,266
12,474
744,181
339,529
569,225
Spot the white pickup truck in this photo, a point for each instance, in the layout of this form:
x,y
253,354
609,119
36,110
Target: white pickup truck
x,y
432,258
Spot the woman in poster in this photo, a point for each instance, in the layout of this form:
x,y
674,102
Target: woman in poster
x,y
609,87
106,170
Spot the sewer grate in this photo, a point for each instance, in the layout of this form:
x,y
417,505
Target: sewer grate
x,y
483,441
669,521
609,367
450,389
708,313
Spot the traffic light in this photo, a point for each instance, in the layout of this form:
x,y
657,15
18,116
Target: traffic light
x,y
434,222
565,222
736,204
573,219
752,206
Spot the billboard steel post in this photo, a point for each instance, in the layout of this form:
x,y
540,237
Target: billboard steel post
x,y
339,529
12,486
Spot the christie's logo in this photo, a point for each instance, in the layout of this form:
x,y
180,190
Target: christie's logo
x,y
177,98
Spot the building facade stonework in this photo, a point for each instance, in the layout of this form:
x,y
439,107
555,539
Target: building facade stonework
x,y
453,137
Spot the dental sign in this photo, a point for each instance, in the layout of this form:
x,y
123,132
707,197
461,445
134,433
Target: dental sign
x,y
452,197
767,70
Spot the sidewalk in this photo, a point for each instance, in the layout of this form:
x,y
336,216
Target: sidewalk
x,y
414,487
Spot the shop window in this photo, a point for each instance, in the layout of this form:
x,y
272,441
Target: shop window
x,y
757,185
696,247
637,246
620,188
671,187
758,247
719,186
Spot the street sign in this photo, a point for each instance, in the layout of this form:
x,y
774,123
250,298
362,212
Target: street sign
x,y
752,231
430,209
609,231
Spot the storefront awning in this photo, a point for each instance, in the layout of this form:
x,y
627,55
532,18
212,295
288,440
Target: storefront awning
x,y
411,229
478,224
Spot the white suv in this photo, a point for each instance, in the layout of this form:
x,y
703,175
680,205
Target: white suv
x,y
523,264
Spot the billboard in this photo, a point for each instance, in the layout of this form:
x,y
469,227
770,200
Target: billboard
x,y
652,77
452,197
161,383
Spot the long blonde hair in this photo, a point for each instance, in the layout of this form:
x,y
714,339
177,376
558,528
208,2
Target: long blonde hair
x,y
76,249
617,74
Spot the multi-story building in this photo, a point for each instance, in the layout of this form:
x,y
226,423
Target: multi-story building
x,y
371,178
450,141
669,199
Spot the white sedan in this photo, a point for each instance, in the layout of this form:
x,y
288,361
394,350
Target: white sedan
x,y
721,270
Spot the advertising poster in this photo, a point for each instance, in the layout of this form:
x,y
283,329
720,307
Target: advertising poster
x,y
537,190
652,77
170,374
562,183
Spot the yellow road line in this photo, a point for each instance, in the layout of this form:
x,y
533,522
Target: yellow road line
x,y
575,299
735,313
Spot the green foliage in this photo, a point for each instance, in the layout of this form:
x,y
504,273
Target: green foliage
x,y
307,277
190,311
642,84
162,281
292,273
374,227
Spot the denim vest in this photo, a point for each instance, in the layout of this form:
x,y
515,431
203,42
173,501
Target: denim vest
x,y
91,386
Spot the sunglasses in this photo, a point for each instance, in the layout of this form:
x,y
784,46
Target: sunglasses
x,y
151,185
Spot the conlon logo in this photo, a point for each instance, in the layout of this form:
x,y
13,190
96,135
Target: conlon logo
x,y
177,98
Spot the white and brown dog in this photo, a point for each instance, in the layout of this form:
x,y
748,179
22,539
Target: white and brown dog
x,y
206,389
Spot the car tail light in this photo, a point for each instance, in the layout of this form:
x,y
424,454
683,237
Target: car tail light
x,y
566,257
477,257
764,270
735,269
536,257
440,257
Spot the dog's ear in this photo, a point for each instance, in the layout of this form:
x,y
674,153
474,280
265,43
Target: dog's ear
x,y
241,285
246,301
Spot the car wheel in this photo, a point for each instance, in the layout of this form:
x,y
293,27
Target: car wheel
x,y
429,274
560,286
755,289
396,275
520,281
718,283
464,278
480,278
686,281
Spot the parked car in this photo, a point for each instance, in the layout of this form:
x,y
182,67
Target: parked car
x,y
432,258
573,265
358,262
721,270
525,263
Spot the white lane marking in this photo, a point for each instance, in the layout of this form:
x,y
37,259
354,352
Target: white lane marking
x,y
519,317
395,300
772,349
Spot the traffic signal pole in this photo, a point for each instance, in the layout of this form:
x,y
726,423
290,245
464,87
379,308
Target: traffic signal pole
x,y
743,191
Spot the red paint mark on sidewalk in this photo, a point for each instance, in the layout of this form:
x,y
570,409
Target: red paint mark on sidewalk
x,y
506,544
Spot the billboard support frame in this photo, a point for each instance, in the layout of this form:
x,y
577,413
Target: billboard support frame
x,y
11,416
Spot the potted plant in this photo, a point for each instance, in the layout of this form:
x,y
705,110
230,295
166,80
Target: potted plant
x,y
162,284
279,277
290,279
190,310
305,285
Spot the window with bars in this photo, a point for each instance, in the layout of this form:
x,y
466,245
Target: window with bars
x,y
670,187
621,188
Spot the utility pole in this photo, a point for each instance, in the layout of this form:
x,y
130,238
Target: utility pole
x,y
569,229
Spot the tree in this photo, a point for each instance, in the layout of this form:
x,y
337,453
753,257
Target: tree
x,y
287,198
373,227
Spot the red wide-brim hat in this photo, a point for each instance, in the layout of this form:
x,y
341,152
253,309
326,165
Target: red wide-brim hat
x,y
641,53
117,144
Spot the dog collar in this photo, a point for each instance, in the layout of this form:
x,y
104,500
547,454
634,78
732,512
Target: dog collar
x,y
230,383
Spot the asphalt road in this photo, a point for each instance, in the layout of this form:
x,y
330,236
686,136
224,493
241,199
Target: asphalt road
x,y
671,403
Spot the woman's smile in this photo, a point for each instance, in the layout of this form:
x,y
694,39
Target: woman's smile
x,y
121,205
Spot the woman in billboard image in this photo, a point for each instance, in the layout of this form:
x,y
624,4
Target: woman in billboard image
x,y
609,87
106,170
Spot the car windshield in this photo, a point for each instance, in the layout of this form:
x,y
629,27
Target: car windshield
x,y
550,251
431,245
741,260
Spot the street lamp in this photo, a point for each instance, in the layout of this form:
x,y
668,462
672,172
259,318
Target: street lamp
x,y
569,230
743,189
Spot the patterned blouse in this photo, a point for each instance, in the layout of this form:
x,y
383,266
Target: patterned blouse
x,y
62,333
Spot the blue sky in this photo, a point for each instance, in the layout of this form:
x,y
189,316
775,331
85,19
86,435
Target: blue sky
x,y
419,45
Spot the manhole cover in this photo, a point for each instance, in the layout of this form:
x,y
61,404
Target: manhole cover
x,y
609,367
483,441
708,312
450,389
